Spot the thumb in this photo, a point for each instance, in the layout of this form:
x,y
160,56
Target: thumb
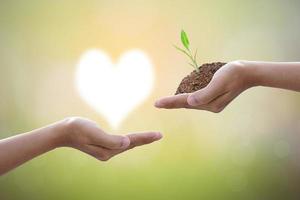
x,y
119,142
113,141
205,95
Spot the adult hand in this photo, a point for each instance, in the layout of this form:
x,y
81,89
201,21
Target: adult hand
x,y
227,83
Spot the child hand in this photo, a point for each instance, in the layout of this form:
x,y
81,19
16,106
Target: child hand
x,y
88,137
74,132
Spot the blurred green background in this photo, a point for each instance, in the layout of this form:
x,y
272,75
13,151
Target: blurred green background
x,y
249,151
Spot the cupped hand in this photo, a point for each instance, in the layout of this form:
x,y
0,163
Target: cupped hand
x,y
227,83
86,136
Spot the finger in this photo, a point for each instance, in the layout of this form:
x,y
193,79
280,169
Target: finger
x,y
213,106
171,102
220,103
139,139
109,141
204,96
98,152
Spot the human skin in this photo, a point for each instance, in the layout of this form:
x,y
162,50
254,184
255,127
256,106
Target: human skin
x,y
231,80
74,132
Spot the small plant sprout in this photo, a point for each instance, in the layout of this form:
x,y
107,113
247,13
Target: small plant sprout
x,y
187,51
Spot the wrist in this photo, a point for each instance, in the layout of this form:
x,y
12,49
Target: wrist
x,y
68,130
250,72
60,136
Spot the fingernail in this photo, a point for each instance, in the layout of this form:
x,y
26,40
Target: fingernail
x,y
157,104
158,136
125,142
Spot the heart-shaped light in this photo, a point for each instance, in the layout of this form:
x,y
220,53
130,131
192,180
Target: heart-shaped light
x,y
114,90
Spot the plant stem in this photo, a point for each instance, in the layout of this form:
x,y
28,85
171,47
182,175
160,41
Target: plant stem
x,y
193,60
189,54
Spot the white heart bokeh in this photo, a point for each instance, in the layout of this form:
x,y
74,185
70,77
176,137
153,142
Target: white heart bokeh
x,y
114,90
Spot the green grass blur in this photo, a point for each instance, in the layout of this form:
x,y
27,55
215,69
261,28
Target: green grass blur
x,y
249,151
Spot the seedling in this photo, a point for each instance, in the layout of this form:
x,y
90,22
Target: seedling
x,y
187,51
201,76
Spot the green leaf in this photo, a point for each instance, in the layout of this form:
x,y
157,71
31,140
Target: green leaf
x,y
185,40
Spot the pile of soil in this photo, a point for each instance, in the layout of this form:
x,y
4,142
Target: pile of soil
x,y
198,80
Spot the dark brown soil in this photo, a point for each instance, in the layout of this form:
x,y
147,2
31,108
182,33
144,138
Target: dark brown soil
x,y
198,80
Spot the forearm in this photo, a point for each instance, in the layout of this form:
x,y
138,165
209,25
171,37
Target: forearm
x,y
16,150
285,75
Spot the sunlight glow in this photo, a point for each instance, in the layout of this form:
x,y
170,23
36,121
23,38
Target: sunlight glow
x,y
114,90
